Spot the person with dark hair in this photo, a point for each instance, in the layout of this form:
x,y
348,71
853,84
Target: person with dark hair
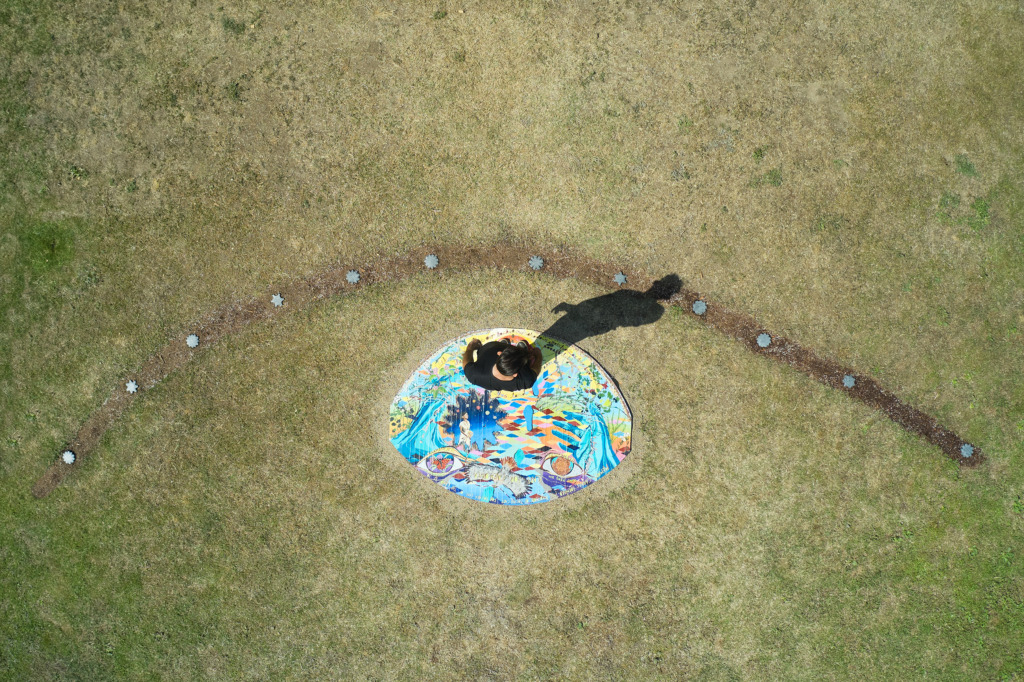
x,y
500,366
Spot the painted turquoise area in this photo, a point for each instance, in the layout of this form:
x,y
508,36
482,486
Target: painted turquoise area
x,y
512,447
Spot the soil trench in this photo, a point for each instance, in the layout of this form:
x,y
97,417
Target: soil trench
x,y
562,261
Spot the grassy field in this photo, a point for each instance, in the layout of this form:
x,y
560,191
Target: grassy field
x,y
850,175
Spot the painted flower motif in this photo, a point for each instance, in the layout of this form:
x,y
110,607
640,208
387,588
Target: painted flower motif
x,y
192,341
131,386
966,449
430,261
352,276
700,307
277,300
848,381
536,262
763,340
620,278
68,457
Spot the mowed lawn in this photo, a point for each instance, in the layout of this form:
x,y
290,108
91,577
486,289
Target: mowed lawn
x,y
851,176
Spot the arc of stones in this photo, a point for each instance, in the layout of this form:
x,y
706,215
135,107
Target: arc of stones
x,y
562,261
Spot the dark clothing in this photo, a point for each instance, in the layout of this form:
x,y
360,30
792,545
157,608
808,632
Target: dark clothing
x,y
480,373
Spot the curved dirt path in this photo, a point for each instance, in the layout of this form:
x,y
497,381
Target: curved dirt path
x,y
561,261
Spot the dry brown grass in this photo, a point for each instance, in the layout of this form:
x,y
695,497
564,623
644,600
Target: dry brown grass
x,y
241,521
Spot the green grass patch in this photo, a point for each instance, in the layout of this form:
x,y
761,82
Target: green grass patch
x,y
965,167
772,178
45,246
829,223
979,218
232,26
976,216
949,201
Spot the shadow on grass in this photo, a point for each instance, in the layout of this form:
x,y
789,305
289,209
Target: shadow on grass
x,y
602,314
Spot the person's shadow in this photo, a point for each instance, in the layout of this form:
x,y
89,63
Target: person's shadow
x,y
602,314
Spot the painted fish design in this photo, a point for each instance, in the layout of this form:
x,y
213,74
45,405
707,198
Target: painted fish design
x,y
481,472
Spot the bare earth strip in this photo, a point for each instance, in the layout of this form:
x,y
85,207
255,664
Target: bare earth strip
x,y
563,262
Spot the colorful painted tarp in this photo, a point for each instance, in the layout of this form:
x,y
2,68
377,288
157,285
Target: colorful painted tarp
x,y
512,447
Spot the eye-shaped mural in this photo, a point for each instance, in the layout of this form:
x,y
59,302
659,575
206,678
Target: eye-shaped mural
x,y
512,447
562,467
441,463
